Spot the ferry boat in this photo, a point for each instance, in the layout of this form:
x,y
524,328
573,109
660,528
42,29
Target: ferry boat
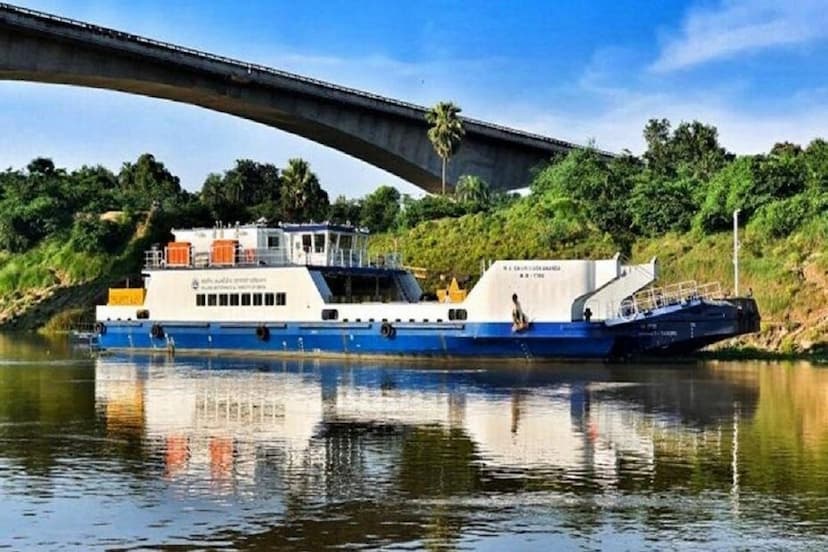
x,y
313,289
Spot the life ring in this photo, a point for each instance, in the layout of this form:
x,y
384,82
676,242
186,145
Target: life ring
x,y
262,332
100,328
157,331
387,330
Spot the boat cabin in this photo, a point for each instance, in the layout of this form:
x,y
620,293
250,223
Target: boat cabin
x,y
310,244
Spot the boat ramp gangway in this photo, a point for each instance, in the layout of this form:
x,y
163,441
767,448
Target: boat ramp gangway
x,y
652,298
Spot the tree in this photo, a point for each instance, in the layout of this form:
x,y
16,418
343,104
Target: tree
x,y
816,158
93,190
430,207
445,133
380,209
250,190
251,183
661,205
724,193
600,190
692,149
345,211
147,181
659,155
302,199
474,192
697,151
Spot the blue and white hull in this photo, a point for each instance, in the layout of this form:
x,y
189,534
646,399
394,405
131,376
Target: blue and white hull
x,y
450,340
673,329
305,290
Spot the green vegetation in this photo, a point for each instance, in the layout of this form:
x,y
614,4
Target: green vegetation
x,y
445,133
60,229
675,202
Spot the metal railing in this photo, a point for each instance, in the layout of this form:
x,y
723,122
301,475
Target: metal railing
x,y
250,67
234,256
675,294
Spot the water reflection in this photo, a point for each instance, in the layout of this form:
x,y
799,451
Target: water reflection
x,y
306,455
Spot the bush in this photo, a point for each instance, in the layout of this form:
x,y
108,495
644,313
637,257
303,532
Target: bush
x,y
90,234
779,219
659,206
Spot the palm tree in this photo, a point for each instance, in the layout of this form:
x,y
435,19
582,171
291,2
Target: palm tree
x,y
446,132
473,189
302,197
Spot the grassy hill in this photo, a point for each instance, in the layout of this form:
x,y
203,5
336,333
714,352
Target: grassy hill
x,y
55,285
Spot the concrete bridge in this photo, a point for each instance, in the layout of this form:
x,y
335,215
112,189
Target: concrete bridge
x,y
387,133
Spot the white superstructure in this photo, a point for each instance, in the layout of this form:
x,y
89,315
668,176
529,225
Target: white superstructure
x,y
322,272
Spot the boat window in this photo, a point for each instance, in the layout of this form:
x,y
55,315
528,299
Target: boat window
x,y
307,241
257,299
319,243
457,314
345,241
234,300
269,299
330,314
281,299
212,300
201,300
223,300
142,314
245,299
273,242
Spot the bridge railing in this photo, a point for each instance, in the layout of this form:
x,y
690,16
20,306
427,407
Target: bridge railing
x,y
250,67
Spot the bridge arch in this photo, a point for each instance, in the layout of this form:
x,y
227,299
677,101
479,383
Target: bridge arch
x,y
386,133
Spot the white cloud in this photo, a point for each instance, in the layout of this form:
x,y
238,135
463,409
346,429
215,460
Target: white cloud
x,y
617,112
738,26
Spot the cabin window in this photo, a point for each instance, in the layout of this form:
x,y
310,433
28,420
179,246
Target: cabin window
x,y
281,299
330,314
142,314
319,243
457,314
234,300
345,241
273,242
245,299
257,299
269,299
201,300
212,300
307,242
224,300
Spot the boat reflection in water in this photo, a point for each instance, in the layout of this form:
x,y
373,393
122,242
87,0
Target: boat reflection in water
x,y
378,455
218,424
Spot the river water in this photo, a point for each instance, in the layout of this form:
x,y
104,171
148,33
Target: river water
x,y
138,452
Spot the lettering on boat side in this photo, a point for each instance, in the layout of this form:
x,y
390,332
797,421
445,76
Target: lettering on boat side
x,y
532,268
534,271
226,283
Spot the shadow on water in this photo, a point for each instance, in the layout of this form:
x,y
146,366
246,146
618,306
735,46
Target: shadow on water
x,y
227,452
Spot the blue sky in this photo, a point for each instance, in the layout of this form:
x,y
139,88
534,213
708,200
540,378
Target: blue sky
x,y
574,70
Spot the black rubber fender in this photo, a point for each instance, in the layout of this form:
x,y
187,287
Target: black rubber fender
x,y
100,328
157,331
262,332
387,330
